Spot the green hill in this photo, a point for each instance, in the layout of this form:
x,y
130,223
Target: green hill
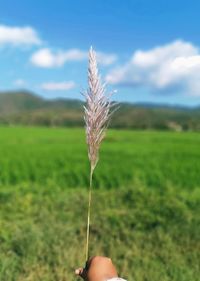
x,y
26,108
16,102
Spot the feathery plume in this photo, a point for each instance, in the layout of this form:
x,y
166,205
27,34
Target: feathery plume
x,y
97,110
97,115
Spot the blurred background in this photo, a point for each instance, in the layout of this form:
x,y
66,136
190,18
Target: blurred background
x,y
146,198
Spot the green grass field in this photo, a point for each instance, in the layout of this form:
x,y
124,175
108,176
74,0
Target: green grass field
x,y
145,213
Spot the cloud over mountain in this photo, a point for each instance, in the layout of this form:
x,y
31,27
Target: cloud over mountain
x,y
58,86
174,67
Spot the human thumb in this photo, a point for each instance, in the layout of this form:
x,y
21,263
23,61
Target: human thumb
x,y
79,272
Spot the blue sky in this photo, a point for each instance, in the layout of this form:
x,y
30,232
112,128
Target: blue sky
x,y
147,50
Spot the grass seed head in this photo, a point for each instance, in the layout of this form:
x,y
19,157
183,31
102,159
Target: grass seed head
x,y
97,110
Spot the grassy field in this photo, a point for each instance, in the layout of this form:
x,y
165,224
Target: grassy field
x,y
59,156
145,213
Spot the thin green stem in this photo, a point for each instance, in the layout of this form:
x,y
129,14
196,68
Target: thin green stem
x,y
89,212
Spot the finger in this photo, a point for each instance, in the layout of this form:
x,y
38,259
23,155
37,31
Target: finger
x,y
79,271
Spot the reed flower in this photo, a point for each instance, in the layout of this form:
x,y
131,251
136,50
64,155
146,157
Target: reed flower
x,y
97,110
97,115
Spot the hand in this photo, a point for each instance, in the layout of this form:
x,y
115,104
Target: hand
x,y
97,269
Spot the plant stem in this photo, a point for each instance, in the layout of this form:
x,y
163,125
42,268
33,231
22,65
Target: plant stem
x,y
89,211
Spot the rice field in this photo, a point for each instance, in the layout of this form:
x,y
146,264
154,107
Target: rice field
x,y
145,213
59,156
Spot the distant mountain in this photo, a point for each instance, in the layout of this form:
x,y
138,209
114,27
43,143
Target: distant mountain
x,y
26,108
18,102
15,102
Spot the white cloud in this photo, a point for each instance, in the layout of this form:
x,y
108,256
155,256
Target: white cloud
x,y
16,36
58,86
46,58
164,68
20,83
106,59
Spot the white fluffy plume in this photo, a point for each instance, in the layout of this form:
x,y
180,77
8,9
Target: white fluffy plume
x,y
97,110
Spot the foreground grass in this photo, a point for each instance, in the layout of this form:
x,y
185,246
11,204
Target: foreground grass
x,y
151,234
145,212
